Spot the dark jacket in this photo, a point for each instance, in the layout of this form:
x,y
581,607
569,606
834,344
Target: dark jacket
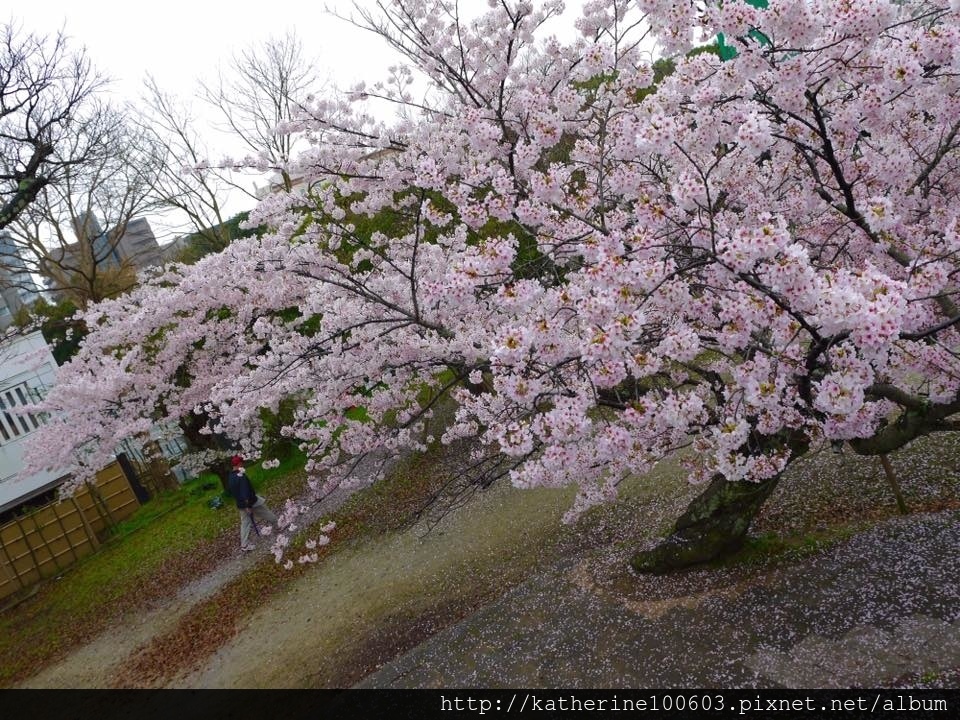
x,y
241,489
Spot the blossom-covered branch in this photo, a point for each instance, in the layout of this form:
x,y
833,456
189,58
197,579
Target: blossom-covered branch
x,y
619,260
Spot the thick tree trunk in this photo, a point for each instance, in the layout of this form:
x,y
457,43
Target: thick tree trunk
x,y
715,523
717,520
222,470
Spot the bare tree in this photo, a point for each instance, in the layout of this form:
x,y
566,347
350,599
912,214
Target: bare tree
x,y
71,234
44,87
186,182
265,88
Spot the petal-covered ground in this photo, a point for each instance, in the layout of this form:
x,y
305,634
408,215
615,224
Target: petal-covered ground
x,y
499,592
879,606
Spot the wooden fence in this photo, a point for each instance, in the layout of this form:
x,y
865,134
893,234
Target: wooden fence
x,y
47,540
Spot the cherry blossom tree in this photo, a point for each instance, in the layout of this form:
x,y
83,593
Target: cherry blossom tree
x,y
602,266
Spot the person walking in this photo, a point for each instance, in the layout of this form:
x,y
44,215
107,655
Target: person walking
x,y
253,509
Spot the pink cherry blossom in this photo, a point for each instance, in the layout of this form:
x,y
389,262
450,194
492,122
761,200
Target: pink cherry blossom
x,y
596,270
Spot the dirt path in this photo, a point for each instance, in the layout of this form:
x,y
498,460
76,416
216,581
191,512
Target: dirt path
x,y
95,664
354,612
876,609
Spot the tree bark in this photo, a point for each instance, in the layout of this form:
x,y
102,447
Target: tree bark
x,y
191,427
894,485
715,523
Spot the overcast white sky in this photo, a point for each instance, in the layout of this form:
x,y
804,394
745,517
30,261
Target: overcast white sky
x,y
181,41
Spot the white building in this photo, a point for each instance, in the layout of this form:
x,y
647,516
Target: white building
x,y
23,381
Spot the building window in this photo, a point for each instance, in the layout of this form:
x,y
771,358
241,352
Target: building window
x,y
17,424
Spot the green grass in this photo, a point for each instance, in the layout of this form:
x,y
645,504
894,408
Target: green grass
x,y
167,533
158,506
769,548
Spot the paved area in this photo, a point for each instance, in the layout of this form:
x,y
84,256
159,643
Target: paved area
x,y
880,606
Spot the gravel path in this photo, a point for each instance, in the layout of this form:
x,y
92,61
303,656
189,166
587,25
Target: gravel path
x,y
882,605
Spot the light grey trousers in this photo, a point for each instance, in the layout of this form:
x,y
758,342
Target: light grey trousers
x,y
261,515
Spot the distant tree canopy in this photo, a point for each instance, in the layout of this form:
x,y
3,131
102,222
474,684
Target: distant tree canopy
x,y
45,89
60,329
72,234
201,244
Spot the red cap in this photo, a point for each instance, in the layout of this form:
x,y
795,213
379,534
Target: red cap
x,y
236,461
